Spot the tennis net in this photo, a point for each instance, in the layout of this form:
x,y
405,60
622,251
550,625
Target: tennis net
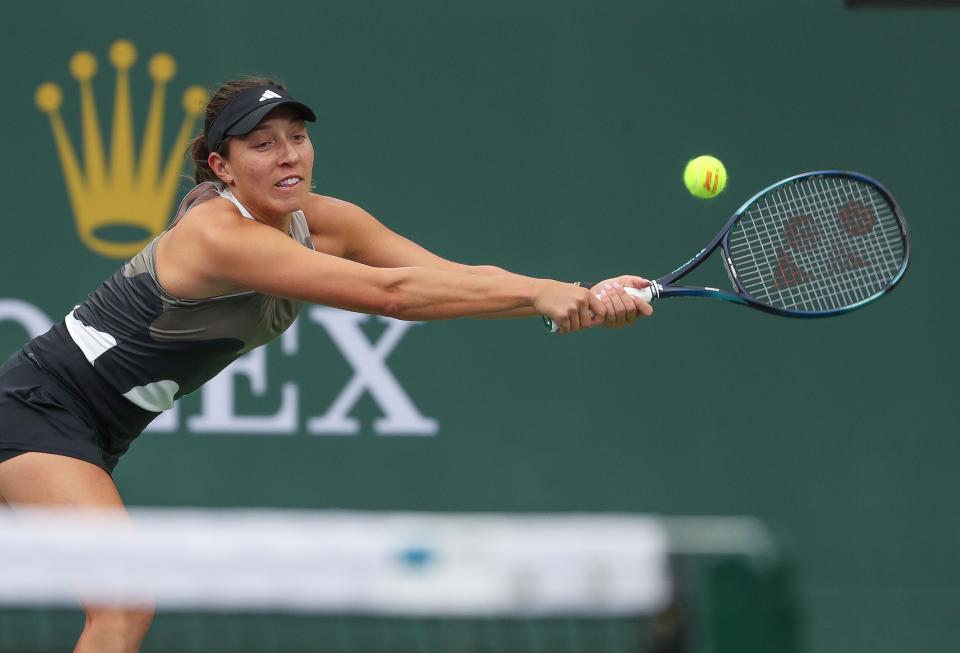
x,y
243,581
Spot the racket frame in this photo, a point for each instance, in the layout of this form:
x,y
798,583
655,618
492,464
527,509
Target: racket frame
x,y
664,286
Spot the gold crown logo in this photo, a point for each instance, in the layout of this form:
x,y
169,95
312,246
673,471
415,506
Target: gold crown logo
x,y
122,192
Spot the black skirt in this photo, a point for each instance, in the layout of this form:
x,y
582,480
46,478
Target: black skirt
x,y
37,413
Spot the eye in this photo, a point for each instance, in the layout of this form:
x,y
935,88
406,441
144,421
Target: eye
x,y
298,138
262,145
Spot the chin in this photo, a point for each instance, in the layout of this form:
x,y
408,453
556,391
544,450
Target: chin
x,y
287,202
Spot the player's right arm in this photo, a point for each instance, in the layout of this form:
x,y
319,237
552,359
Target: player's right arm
x,y
222,249
345,229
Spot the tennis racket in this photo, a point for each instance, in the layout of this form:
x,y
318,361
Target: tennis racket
x,y
817,244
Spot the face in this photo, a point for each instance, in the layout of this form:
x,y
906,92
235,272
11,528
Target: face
x,y
269,169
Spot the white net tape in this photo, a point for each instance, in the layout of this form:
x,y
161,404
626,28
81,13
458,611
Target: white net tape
x,y
369,563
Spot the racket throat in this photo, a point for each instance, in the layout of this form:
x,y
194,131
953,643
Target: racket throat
x,y
655,289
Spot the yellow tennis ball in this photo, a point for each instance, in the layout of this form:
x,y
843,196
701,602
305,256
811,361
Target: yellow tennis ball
x,y
705,177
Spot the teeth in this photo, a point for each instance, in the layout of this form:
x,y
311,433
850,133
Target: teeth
x,y
289,181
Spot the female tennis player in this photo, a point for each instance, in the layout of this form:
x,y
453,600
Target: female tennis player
x,y
247,246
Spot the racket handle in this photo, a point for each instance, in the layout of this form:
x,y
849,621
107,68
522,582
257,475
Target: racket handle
x,y
644,294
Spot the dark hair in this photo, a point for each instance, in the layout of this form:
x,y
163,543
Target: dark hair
x,y
198,147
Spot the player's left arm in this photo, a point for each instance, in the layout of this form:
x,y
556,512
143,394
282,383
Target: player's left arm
x,y
344,229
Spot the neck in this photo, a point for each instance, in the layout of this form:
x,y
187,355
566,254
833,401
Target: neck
x,y
280,222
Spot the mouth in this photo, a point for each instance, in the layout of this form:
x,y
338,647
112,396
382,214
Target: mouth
x,y
289,182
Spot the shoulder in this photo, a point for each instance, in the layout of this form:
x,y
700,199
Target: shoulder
x,y
325,211
216,224
191,254
212,218
338,226
216,209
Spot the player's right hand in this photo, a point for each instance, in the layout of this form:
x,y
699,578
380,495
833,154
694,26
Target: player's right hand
x,y
571,307
623,309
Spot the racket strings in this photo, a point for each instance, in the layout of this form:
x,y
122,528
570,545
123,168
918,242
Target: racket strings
x,y
818,244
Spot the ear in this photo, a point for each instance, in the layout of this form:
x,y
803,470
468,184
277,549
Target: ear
x,y
220,167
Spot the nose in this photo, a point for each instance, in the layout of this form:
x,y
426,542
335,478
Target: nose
x,y
289,154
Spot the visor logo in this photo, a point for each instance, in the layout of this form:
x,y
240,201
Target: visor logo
x,y
269,95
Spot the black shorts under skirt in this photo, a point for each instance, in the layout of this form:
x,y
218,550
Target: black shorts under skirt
x,y
37,413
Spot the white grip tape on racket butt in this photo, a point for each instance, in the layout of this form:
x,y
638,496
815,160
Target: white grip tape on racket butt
x,y
645,294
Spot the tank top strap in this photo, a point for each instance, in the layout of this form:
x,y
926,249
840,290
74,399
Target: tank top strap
x,y
227,194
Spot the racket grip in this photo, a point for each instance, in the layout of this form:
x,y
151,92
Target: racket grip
x,y
644,294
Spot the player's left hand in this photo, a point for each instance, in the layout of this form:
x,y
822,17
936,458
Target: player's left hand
x,y
622,308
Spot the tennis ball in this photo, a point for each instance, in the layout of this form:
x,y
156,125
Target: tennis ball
x,y
705,177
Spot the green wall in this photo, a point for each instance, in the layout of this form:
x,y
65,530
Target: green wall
x,y
549,138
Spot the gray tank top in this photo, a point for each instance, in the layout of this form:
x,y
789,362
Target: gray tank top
x,y
153,347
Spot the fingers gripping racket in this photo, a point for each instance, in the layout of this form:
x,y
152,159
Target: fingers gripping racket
x,y
815,245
